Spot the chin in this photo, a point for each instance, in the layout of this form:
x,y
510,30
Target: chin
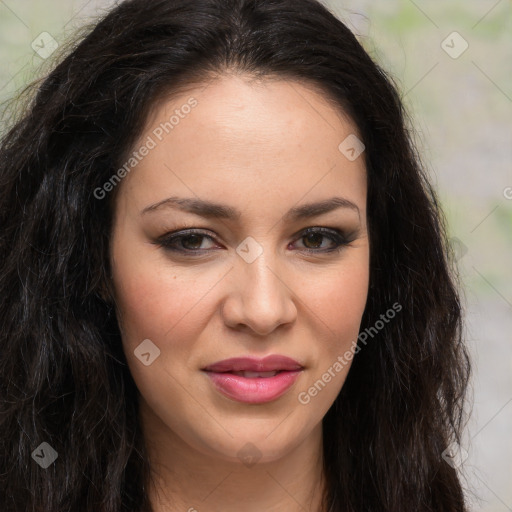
x,y
249,443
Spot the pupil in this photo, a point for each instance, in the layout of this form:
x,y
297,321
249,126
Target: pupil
x,y
310,236
197,239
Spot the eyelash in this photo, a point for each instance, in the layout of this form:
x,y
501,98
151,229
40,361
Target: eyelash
x,y
166,241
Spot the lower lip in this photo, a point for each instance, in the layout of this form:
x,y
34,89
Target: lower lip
x,y
254,391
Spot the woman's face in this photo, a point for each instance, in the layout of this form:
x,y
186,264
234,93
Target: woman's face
x,y
241,162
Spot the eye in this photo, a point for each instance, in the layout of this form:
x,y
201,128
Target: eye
x,y
313,239
190,242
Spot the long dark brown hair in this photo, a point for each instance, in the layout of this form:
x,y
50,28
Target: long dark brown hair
x,y
63,375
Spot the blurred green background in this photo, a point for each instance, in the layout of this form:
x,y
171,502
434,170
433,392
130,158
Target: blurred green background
x,y
461,109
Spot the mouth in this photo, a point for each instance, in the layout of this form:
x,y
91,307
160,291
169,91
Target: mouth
x,y
254,375
267,364
254,381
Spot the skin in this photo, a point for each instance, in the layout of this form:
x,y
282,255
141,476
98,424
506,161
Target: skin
x,y
262,148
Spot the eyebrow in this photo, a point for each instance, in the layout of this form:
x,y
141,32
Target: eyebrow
x,y
213,210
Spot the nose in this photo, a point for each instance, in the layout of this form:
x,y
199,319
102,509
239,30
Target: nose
x,y
259,298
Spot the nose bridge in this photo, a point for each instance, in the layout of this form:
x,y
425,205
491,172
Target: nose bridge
x,y
263,274
261,298
259,269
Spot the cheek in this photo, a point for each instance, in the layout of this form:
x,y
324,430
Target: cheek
x,y
158,304
338,299
338,303
153,303
346,297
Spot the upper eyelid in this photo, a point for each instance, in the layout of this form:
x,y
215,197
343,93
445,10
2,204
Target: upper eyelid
x,y
205,232
195,229
325,230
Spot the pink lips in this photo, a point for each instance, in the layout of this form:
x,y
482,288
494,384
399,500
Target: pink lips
x,y
254,381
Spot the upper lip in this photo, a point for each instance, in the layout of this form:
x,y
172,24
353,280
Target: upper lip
x,y
252,364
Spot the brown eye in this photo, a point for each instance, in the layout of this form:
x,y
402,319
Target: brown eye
x,y
313,239
192,242
189,241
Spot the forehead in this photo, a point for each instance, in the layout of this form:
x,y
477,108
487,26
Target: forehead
x,y
234,107
232,135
